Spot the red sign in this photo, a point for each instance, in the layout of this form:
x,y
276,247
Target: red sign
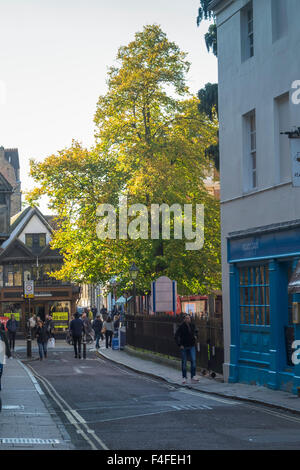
x,y
4,320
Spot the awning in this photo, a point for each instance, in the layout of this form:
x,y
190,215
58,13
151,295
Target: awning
x,y
294,284
122,300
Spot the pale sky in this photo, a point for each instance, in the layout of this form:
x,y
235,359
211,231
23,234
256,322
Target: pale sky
x,y
54,56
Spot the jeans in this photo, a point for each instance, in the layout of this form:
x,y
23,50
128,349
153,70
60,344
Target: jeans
x,y
12,338
184,353
42,348
77,341
108,338
98,336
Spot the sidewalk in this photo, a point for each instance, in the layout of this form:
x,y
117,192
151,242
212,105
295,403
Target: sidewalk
x,y
26,421
250,393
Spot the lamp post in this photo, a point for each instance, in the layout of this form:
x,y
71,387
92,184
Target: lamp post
x,y
133,273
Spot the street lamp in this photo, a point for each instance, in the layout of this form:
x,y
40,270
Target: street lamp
x,y
133,274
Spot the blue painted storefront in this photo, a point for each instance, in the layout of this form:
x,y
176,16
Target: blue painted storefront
x,y
261,265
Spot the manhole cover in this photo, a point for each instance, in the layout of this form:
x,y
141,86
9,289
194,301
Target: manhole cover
x,y
30,441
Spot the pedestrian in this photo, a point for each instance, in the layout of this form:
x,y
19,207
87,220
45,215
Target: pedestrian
x,y
42,339
76,330
32,325
185,337
12,326
49,325
88,330
116,322
4,349
97,327
90,314
108,327
94,311
103,312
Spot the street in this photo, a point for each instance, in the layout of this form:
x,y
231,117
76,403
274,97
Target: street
x,y
104,406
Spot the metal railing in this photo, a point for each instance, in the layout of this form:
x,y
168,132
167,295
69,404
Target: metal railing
x,y
156,334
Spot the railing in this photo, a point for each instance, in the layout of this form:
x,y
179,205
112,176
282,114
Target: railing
x,y
156,334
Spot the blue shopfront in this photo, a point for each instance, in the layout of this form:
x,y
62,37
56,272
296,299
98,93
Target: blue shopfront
x,y
262,262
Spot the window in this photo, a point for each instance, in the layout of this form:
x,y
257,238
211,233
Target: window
x,y
13,275
35,241
279,19
254,295
250,160
247,32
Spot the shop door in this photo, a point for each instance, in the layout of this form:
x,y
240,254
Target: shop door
x,y
39,310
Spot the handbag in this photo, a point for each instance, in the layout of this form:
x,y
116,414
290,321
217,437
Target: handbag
x,y
51,343
103,331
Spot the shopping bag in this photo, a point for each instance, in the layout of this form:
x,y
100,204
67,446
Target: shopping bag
x,y
51,343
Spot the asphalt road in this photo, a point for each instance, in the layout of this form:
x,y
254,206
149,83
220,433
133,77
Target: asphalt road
x,y
104,406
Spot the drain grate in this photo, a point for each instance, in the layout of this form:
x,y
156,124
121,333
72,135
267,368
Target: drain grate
x,y
30,441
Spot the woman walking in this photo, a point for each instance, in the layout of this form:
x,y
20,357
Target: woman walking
x,y
108,326
42,336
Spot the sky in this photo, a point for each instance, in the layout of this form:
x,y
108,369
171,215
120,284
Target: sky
x,y
54,57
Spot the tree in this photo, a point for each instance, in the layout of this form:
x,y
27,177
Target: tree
x,y
204,13
150,148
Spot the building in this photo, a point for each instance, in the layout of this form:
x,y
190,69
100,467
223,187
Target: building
x,y
258,50
25,254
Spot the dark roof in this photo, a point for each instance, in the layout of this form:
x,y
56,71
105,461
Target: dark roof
x,y
12,156
52,221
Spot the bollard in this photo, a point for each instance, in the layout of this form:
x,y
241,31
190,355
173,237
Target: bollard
x,y
84,347
29,346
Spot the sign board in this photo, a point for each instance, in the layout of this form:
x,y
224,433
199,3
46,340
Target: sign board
x,y
29,289
60,320
295,155
164,295
4,320
8,315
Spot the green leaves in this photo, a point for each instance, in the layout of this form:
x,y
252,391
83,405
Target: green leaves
x,y
150,146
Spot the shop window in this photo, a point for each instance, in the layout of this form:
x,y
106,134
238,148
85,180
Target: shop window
x,y
254,295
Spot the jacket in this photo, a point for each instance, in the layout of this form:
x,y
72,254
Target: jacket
x,y
12,325
97,326
186,336
76,327
42,334
3,338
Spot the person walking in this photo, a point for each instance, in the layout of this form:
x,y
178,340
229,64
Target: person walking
x,y
97,327
12,326
77,329
4,349
49,325
32,325
42,336
185,337
108,326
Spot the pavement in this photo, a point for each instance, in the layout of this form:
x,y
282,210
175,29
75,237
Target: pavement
x,y
27,413
27,420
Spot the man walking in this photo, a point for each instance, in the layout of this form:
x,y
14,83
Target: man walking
x,y
76,329
185,338
97,327
12,326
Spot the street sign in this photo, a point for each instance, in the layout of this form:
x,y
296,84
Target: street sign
x,y
164,295
29,289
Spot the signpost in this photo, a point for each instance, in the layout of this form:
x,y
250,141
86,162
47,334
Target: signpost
x,y
164,295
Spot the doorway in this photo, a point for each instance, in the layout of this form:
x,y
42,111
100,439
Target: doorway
x,y
39,310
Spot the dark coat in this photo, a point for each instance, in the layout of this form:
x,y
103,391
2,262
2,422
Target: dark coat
x,y
42,334
186,336
97,326
3,338
76,327
12,325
